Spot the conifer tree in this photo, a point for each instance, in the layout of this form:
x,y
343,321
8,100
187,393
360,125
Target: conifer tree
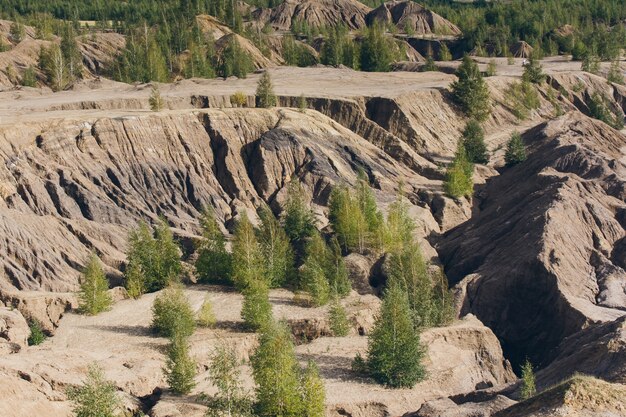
x,y
171,313
313,393
265,96
314,272
180,368
230,400
394,353
214,263
298,220
590,63
470,91
276,249
167,266
528,381
474,143
94,286
338,319
429,65
135,280
96,397
336,270
206,316
276,373
459,181
515,150
156,101
37,336
235,60
615,74
444,53
256,311
533,71
377,51
248,263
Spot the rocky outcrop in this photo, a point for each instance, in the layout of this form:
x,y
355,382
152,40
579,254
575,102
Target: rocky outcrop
x,y
413,17
319,13
537,262
445,407
14,331
258,59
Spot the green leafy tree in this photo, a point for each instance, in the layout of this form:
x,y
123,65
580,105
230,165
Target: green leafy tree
x,y
265,96
515,150
313,393
459,181
533,71
235,61
378,51
37,336
615,74
314,281
528,389
248,262
156,101
96,397
474,143
206,316
180,368
214,263
17,32
276,373
230,400
399,226
470,91
394,354
256,310
298,220
167,268
93,296
276,249
172,313
338,319
135,280
591,64
29,78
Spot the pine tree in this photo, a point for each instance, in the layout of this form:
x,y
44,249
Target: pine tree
x,y
230,400
474,143
394,352
96,397
378,51
156,101
429,65
94,286
470,91
338,319
459,181
265,96
314,272
528,389
248,263
615,74
37,336
214,263
172,313
276,250
515,150
336,271
206,316
180,368
298,220
256,310
313,392
444,53
533,71
276,373
235,61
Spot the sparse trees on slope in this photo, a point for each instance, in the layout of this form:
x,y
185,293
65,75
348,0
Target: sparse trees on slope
x,y
470,91
474,143
515,150
214,263
276,249
615,74
96,397
265,96
94,286
248,263
394,352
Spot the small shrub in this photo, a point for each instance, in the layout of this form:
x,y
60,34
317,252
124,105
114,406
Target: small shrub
x,y
172,313
528,381
156,101
491,68
206,316
515,150
615,74
302,106
590,64
239,99
37,336
444,53
96,397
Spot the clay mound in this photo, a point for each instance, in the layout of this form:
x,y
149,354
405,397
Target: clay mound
x,y
318,13
5,32
258,59
539,262
407,14
578,397
521,49
99,50
211,26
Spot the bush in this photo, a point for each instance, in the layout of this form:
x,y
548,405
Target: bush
x,y
206,317
96,397
156,101
338,319
265,96
615,74
248,262
230,399
214,263
29,78
491,68
394,353
256,310
523,98
590,64
515,150
458,182
180,369
302,106
470,91
37,336
239,99
94,297
533,71
172,313
474,143
528,389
